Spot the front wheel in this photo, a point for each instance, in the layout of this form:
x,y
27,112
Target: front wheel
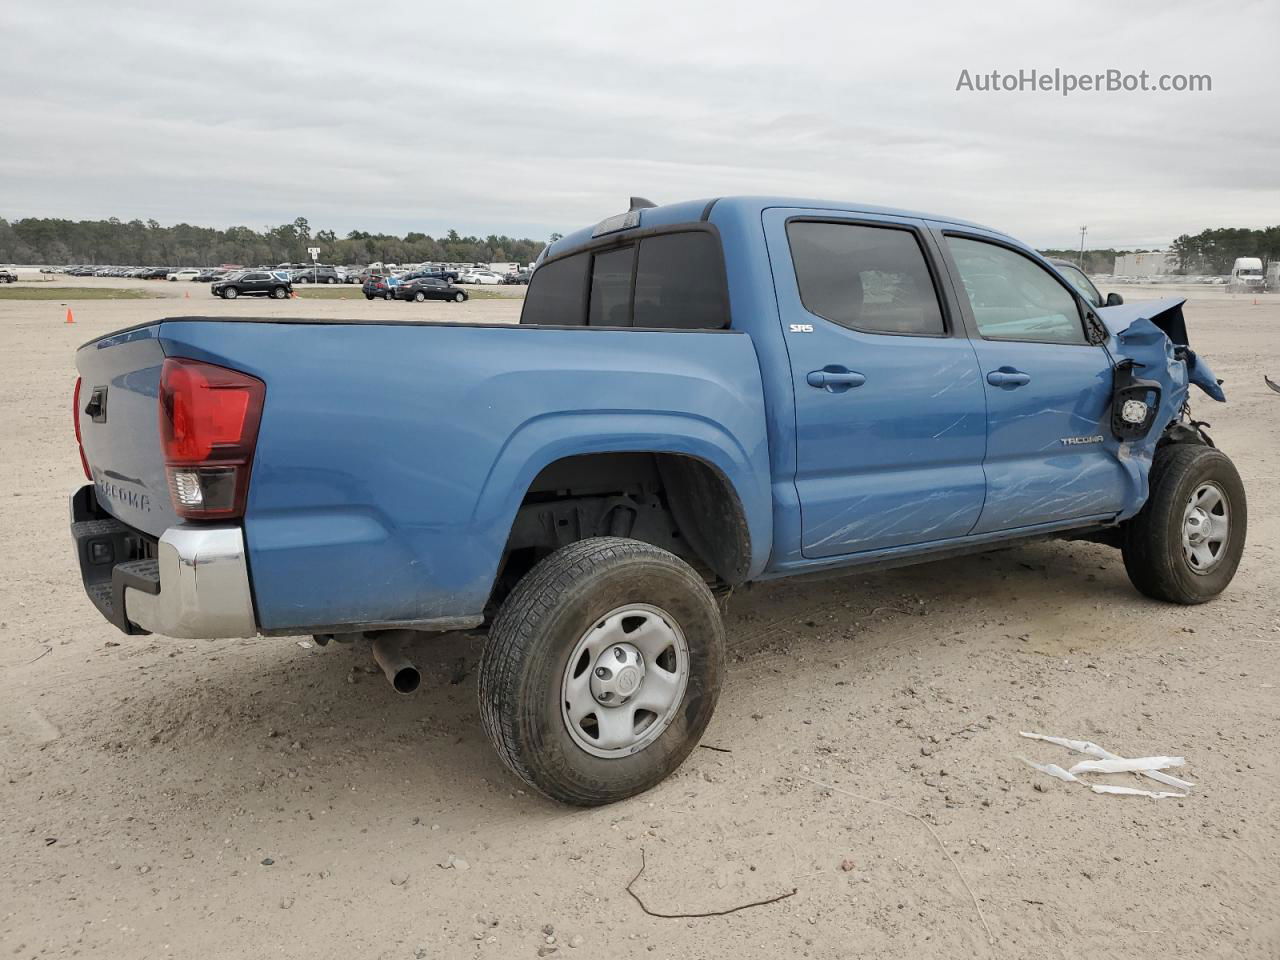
x,y
278,293
230,293
459,297
602,670
368,296
419,297
1185,544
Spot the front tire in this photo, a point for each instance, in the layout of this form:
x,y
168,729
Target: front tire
x,y
602,670
419,297
459,297
278,293
1185,544
230,293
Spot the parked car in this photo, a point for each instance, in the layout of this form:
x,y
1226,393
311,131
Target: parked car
x,y
428,288
186,273
253,283
883,388
479,277
209,275
316,275
376,287
1084,286
7,276
519,276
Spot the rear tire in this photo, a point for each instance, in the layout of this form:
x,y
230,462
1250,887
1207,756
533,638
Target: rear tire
x,y
555,615
1185,544
368,296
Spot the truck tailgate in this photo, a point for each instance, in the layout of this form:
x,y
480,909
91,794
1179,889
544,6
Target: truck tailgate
x,y
120,379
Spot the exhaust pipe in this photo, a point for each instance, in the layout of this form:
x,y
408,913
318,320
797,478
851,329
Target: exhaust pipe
x,y
400,672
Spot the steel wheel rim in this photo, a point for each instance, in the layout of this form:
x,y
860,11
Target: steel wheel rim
x,y
1206,528
655,658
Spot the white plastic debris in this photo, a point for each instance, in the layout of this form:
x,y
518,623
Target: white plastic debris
x,y
1107,762
1135,792
1121,765
1091,749
1052,769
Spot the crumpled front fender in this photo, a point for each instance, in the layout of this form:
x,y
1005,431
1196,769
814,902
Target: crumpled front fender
x,y
1153,334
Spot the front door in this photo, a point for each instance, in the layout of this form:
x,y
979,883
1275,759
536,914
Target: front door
x,y
1049,455
890,411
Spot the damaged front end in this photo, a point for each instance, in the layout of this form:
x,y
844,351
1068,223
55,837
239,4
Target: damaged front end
x,y
1154,367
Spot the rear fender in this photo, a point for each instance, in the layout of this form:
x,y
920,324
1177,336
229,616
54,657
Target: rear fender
x,y
544,440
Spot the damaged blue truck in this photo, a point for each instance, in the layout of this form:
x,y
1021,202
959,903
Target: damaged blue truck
x,y
697,396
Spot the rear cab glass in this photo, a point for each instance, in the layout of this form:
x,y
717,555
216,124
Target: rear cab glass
x,y
672,280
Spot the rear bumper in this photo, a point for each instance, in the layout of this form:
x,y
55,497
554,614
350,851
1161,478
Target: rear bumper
x,y
191,583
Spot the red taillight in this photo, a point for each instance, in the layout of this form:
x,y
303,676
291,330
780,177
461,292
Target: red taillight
x,y
75,418
208,428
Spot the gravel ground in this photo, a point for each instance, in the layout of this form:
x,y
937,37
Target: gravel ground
x,y
264,798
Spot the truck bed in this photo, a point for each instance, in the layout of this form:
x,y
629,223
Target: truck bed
x,y
392,457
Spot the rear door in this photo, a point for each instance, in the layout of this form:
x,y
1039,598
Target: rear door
x,y
1048,389
890,410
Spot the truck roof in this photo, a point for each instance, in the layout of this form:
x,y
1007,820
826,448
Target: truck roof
x,y
693,210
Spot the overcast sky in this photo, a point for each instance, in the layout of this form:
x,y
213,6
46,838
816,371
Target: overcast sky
x,y
538,116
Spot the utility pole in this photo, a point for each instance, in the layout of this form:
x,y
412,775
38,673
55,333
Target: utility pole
x,y
1083,231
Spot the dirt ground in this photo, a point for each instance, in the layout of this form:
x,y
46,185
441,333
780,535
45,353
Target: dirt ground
x,y
264,798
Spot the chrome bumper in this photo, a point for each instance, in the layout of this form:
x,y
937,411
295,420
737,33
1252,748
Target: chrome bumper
x,y
204,586
196,586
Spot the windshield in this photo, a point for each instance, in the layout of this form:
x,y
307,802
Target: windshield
x,y
1084,286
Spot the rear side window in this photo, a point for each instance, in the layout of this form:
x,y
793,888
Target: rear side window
x,y
556,293
668,281
872,279
680,283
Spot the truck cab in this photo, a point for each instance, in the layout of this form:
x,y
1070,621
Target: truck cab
x,y
1246,276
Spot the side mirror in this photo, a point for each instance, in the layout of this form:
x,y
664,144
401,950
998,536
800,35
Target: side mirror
x,y
1114,299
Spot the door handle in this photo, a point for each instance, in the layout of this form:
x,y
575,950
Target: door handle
x,y
835,378
1008,377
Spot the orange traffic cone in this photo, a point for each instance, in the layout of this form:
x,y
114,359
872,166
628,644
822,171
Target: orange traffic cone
x,y
70,317
186,295
293,294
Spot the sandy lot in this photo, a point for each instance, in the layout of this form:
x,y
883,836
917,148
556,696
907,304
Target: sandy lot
x,y
258,798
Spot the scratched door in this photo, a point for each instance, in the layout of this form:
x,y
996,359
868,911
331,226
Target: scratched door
x,y
890,412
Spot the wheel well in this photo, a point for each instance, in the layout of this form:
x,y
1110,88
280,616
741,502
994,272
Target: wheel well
x,y
677,502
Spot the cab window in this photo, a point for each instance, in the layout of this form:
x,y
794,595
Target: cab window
x,y
1013,297
872,279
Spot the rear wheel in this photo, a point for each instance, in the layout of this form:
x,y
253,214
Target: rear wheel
x,y
230,293
368,296
329,280
602,670
386,296
1185,544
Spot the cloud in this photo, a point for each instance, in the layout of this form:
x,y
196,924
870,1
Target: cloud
x,y
527,118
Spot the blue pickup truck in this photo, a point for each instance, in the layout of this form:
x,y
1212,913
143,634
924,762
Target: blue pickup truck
x,y
697,396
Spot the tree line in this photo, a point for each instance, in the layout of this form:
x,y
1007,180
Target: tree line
x,y
44,240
